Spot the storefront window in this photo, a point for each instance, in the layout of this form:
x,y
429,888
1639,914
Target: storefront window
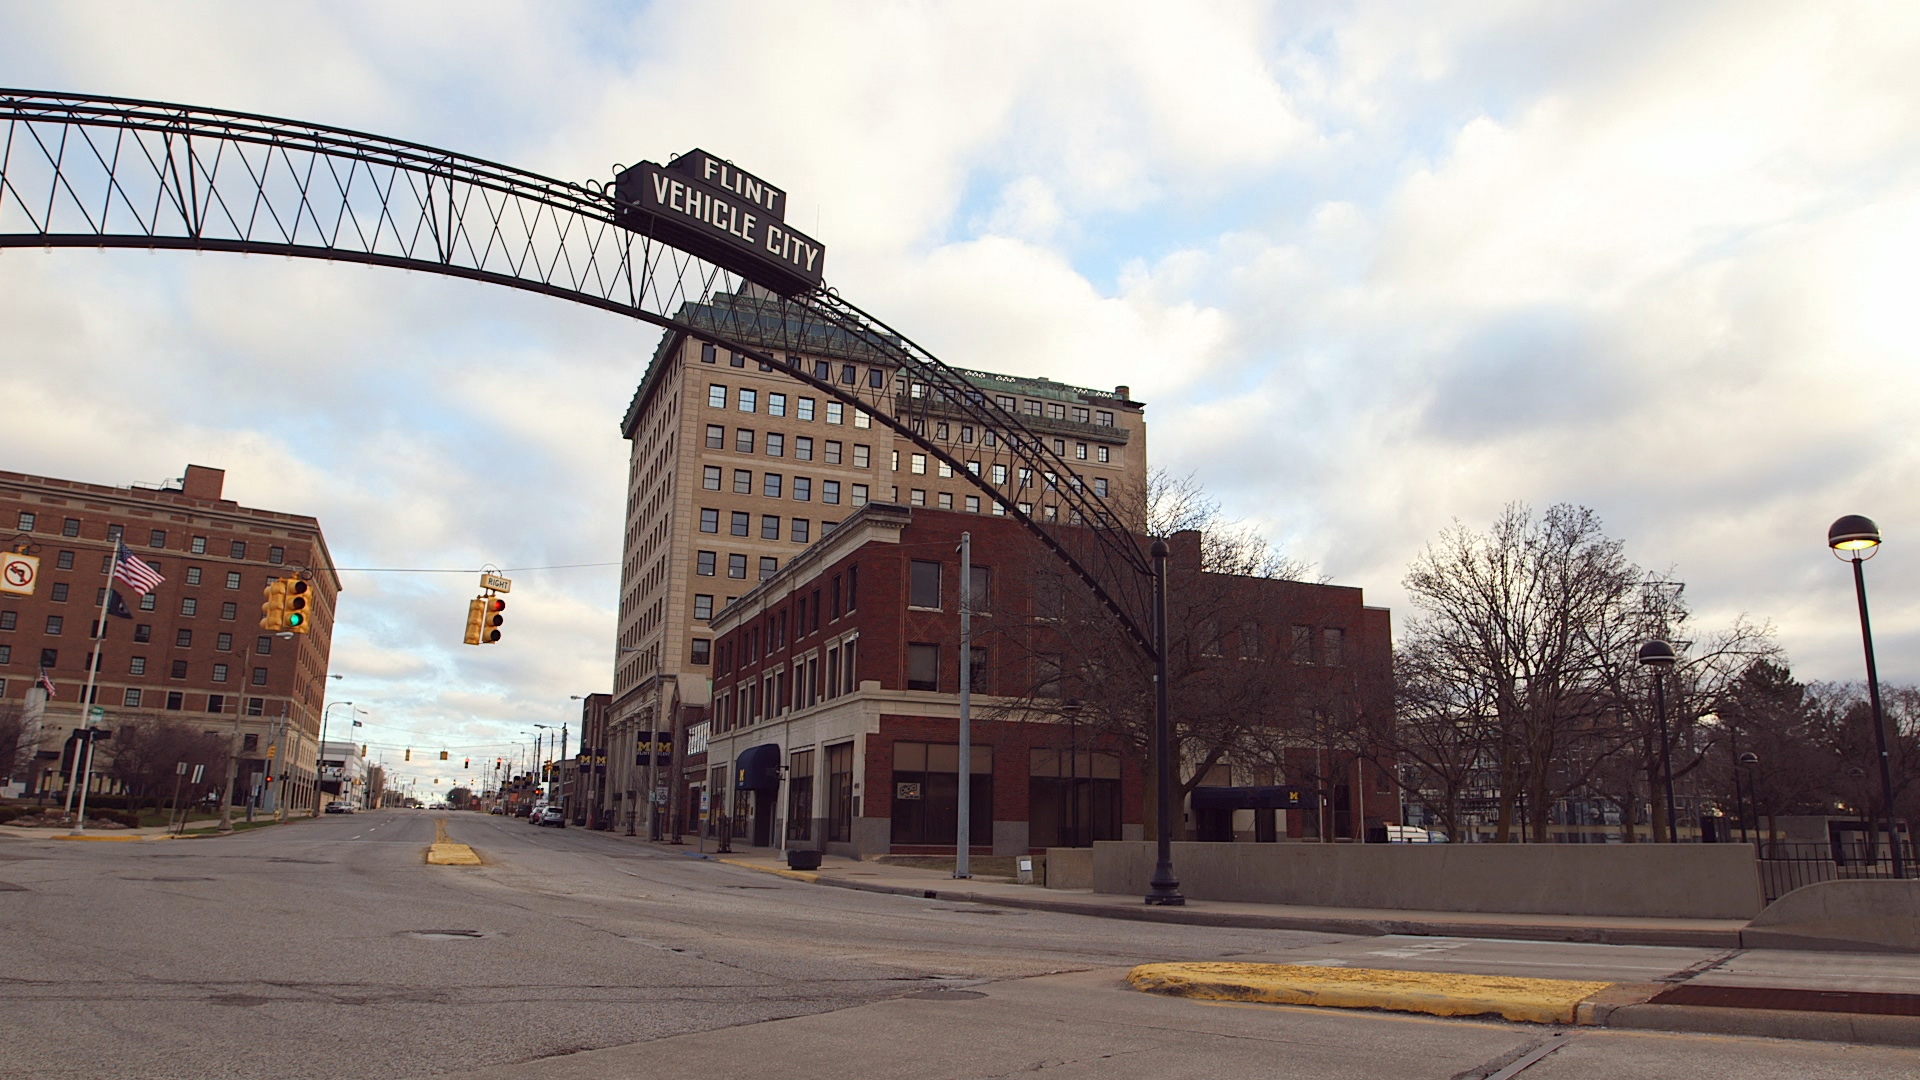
x,y
800,797
840,792
1073,799
926,793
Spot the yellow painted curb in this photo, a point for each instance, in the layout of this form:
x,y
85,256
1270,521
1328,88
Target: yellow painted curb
x,y
797,875
1538,1001
451,855
100,839
445,852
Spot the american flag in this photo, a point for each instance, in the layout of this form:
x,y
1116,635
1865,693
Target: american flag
x,y
128,568
46,683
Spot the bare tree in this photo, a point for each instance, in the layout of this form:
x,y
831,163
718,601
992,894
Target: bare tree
x,y
145,751
16,753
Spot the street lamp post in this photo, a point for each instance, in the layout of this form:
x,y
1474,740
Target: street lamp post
x,y
1856,539
320,751
1165,888
1659,656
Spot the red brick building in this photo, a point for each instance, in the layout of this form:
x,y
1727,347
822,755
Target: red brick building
x,y
834,715
192,648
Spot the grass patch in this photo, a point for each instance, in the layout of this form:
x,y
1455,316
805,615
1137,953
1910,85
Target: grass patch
x,y
1000,866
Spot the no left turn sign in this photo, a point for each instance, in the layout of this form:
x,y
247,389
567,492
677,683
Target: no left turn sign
x,y
18,573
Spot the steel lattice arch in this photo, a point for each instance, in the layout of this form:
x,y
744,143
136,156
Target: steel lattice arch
x,y
83,171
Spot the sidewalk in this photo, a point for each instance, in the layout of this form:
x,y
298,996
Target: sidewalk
x,y
1794,994
194,830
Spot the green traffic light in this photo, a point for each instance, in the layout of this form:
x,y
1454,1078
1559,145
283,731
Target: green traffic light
x,y
295,618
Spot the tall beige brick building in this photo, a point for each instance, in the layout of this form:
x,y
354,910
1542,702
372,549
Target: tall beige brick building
x,y
735,469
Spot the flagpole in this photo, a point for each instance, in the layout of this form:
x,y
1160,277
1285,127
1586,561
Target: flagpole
x,y
86,696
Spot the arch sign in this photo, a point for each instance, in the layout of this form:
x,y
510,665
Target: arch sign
x,y
704,205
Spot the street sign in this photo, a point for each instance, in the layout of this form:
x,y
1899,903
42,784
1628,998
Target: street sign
x,y
18,573
198,772
496,583
96,713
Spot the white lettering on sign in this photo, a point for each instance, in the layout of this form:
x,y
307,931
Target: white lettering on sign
x,y
717,219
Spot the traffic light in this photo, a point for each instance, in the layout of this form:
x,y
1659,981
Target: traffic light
x,y
491,618
476,610
409,756
273,606
443,755
297,616
466,763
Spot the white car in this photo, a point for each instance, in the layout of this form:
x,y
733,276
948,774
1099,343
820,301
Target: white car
x,y
551,815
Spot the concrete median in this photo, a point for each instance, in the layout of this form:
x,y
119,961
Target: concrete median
x,y
1538,1001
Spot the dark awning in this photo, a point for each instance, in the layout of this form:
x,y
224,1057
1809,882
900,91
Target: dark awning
x,y
757,768
1252,798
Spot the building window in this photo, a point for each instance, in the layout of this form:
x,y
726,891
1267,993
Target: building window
x,y
802,448
136,665
179,670
130,698
702,651
737,567
176,701
1104,454
143,632
859,495
703,607
768,565
862,456
946,500
259,676
189,606
55,624
770,485
65,560
256,706
26,521
1100,486
734,359
802,488
716,396
183,639
743,440
923,589
926,792
776,404
707,352
229,611
834,412
1302,652
70,527
830,492
6,657
747,400
59,592
716,437
219,673
803,408
1105,418
919,464
709,521
776,444
157,538
800,529
831,452
1332,640
918,497
741,523
237,549
710,477
193,575
223,642
49,657
743,481
704,563
233,579
769,526
840,797
276,555
999,474
115,532
973,504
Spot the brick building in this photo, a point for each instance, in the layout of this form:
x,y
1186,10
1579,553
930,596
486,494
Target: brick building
x,y
834,715
735,470
191,649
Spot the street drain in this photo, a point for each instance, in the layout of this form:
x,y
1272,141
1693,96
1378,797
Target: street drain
x,y
445,935
941,994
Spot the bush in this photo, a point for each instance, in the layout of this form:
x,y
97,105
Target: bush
x,y
8,813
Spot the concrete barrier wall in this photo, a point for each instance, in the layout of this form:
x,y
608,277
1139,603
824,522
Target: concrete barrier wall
x,y
1697,881
1069,868
1864,915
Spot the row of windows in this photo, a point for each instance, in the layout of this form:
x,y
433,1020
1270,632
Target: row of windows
x,y
137,665
747,400
803,615
831,450
156,538
826,674
774,485
740,523
189,607
706,564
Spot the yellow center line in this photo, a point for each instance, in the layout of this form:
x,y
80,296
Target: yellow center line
x,y
445,852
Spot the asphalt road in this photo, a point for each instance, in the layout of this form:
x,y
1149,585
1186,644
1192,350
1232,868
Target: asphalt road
x,y
327,948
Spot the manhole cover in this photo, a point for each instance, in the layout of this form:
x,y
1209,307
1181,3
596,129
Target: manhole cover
x,y
938,994
445,935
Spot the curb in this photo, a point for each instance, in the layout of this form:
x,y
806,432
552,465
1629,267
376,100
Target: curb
x,y
1620,1006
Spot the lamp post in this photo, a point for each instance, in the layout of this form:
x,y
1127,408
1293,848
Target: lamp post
x,y
540,764
321,749
1165,887
1856,539
1659,656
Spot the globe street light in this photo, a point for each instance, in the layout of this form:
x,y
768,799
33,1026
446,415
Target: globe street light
x,y
1660,656
1856,539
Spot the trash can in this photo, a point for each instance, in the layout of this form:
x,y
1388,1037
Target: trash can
x,y
798,859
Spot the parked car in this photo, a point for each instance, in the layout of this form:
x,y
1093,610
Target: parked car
x,y
551,815
1408,834
521,811
498,810
339,808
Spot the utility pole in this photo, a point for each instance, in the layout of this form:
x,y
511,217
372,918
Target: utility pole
x,y
963,840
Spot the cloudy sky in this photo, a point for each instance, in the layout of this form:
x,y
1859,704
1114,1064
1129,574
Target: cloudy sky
x,y
1374,267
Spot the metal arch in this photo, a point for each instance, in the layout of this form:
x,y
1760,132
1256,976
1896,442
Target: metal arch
x,y
83,171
